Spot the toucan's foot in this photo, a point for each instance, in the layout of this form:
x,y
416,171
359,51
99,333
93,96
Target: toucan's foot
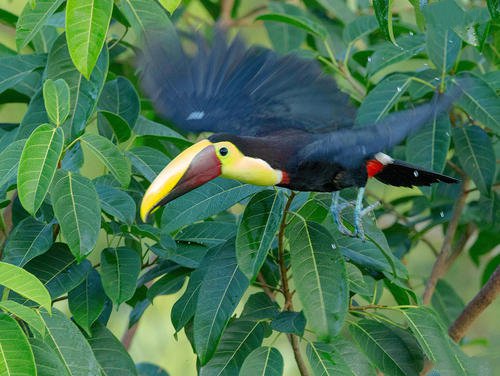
x,y
359,212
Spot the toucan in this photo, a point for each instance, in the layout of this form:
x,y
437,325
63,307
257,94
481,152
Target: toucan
x,y
277,120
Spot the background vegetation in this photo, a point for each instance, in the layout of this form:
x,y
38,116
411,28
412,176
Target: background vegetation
x,y
267,286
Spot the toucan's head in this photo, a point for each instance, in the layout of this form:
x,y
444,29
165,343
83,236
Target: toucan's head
x,y
202,162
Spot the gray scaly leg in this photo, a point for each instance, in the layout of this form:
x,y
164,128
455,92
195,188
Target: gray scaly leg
x,y
336,209
360,212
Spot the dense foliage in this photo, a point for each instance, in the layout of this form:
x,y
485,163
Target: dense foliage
x,y
74,169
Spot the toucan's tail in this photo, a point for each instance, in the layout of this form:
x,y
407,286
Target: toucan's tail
x,y
401,174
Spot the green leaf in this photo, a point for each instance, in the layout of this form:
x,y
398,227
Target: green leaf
x,y
300,21
70,345
120,268
208,233
149,369
86,301
239,339
382,98
116,203
257,230
9,161
28,315
57,101
14,69
30,238
359,27
170,5
264,361
147,161
205,201
284,37
112,357
76,207
16,357
289,322
319,275
170,283
38,165
433,338
383,13
259,307
443,46
25,284
480,101
34,116
47,361
33,17
83,92
220,292
109,154
339,8
145,127
87,23
388,54
119,97
428,147
493,8
58,270
447,303
476,155
391,349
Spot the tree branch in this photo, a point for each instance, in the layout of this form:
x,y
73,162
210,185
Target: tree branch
x,y
226,8
442,264
476,306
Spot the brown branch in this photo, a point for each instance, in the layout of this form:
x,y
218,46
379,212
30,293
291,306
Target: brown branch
x,y
269,290
294,340
476,306
226,7
129,336
441,265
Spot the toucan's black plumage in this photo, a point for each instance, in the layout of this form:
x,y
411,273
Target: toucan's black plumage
x,y
280,110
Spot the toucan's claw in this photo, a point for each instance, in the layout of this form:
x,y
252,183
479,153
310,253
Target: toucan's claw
x,y
359,212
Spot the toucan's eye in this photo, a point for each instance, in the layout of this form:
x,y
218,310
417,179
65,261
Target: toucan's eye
x,y
223,151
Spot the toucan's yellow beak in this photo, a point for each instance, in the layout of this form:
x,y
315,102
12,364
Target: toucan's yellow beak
x,y
195,166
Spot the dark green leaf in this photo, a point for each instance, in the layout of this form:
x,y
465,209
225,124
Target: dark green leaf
x,y
300,21
148,369
14,69
170,283
119,97
9,161
339,8
30,238
87,23
220,292
76,207
86,301
147,161
47,361
447,303
264,361
383,13
205,201
146,127
359,27
208,233
34,116
284,37
259,307
319,275
257,230
120,268
443,45
476,155
16,357
116,203
289,322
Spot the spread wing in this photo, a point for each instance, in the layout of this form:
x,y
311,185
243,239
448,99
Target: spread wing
x,y
227,87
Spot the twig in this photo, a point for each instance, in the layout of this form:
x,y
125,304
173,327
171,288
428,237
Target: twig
x,y
269,290
476,306
294,341
129,336
441,265
226,8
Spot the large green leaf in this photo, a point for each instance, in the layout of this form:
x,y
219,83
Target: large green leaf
x,y
428,147
301,21
70,345
57,101
120,268
16,357
433,338
29,315
38,165
34,116
33,17
14,69
28,239
87,23
380,100
388,54
112,357
208,233
239,339
205,201
86,301
447,303
480,101
319,275
257,230
391,349
145,127
476,155
264,361
359,27
83,92
47,361
76,207
25,284
383,13
220,292
9,161
289,322
284,37
116,203
147,161
109,154
339,8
